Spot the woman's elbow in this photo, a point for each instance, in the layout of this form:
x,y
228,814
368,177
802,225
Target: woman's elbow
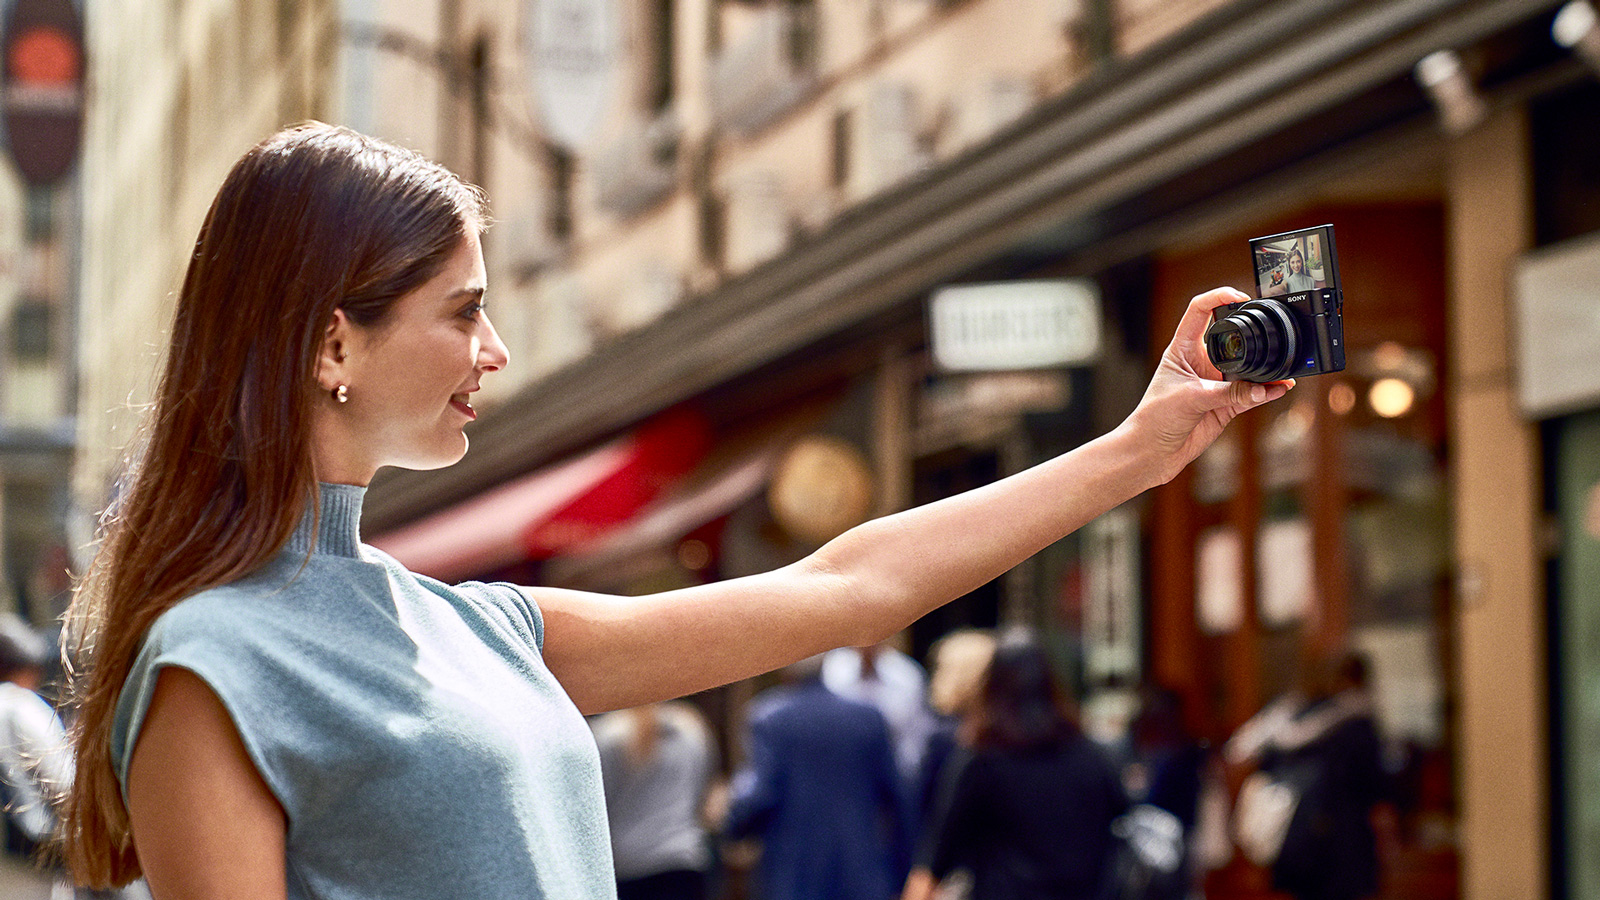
x,y
862,605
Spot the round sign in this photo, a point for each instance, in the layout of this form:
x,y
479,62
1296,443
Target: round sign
x,y
41,91
822,486
44,56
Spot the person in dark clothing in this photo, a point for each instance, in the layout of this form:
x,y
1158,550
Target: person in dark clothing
x,y
960,662
821,792
1166,769
1027,810
1171,761
1324,742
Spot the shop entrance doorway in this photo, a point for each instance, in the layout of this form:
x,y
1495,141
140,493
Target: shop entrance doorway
x,y
1319,525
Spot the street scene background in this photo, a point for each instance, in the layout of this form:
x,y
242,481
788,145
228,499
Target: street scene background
x,y
769,268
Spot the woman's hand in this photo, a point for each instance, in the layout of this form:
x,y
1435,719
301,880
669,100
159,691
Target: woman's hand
x,y
1187,403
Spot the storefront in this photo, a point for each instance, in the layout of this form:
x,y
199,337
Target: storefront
x,y
1321,525
1557,291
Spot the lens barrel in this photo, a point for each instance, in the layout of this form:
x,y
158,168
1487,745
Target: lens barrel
x,y
1255,342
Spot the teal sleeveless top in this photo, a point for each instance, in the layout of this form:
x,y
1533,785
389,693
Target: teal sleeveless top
x,y
410,729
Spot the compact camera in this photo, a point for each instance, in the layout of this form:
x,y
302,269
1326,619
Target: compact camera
x,y
1296,327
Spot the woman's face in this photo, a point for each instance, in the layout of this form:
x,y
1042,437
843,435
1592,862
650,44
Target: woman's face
x,y
1296,264
411,378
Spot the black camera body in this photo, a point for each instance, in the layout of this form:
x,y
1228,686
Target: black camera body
x,y
1296,326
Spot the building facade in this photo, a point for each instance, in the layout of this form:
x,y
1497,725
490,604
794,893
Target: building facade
x,y
41,107
722,230
178,92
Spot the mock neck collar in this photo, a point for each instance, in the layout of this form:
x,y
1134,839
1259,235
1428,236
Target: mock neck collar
x,y
338,527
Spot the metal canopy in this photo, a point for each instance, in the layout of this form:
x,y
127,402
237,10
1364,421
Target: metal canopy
x,y
1075,167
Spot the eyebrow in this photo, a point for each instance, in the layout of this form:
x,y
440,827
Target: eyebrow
x,y
475,292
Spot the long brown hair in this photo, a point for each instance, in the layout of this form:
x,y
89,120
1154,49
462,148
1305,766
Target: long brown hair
x,y
1022,705
313,219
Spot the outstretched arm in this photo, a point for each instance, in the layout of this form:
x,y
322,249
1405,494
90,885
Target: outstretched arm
x,y
879,577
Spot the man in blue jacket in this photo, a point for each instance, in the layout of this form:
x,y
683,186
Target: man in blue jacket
x,y
821,792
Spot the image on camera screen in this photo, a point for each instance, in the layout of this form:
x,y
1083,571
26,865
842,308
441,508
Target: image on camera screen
x,y
1293,262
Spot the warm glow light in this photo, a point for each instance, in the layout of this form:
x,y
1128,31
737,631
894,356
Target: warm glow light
x,y
1391,397
1341,398
694,555
1389,355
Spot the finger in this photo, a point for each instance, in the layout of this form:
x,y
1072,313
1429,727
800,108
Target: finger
x,y
1198,316
1249,394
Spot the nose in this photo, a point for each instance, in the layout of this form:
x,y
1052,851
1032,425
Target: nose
x,y
492,352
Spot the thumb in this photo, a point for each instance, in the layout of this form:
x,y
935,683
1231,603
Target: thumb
x,y
1245,395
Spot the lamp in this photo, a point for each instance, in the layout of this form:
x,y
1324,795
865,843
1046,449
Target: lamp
x,y
1577,28
1442,74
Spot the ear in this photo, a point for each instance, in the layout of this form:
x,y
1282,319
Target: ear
x,y
335,348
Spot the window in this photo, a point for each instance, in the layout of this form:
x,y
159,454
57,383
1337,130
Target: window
x,y
840,173
30,330
659,82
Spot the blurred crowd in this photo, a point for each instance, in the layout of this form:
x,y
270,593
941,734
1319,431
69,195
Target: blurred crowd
x,y
861,776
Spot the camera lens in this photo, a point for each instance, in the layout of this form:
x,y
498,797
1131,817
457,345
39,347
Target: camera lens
x,y
1230,347
1256,342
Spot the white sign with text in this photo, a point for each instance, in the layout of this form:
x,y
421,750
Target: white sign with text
x,y
1015,325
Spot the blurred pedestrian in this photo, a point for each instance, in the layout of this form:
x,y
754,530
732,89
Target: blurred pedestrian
x,y
1165,772
1321,743
657,763
35,764
892,682
265,706
1028,809
960,660
821,793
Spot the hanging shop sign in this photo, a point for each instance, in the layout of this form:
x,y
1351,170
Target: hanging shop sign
x,y
1015,325
41,87
574,49
1556,293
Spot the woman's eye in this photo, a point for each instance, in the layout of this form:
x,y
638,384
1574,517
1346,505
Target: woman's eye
x,y
471,312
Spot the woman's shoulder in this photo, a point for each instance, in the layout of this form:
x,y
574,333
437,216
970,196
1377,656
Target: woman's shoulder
x,y
504,604
283,601
223,608
500,594
225,624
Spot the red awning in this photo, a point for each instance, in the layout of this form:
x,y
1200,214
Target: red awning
x,y
737,470
665,521
561,506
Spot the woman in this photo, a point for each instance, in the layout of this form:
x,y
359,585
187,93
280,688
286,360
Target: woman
x,y
267,708
1297,279
960,662
1028,811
